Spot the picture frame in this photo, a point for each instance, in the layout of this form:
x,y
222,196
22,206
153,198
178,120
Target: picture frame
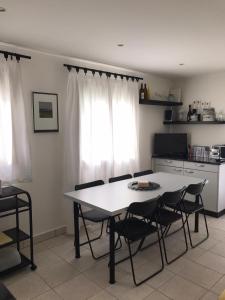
x,y
45,112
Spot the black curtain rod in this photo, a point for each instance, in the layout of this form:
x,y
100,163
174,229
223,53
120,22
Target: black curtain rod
x,y
108,74
16,55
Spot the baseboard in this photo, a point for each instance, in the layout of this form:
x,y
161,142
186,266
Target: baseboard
x,y
41,237
215,214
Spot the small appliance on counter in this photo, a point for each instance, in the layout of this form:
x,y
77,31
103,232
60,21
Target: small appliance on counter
x,y
217,152
200,152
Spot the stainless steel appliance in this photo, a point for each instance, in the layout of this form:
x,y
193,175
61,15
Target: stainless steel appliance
x,y
217,152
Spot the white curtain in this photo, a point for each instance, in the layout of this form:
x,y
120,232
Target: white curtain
x,y
15,160
107,142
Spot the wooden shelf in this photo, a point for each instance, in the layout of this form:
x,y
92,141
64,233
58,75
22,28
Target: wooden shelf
x,y
194,122
159,102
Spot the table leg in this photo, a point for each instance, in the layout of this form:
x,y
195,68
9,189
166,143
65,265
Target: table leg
x,y
76,229
111,250
197,215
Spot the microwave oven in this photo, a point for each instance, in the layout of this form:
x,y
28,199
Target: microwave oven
x,y
217,152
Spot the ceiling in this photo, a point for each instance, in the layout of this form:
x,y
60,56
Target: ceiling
x,y
157,35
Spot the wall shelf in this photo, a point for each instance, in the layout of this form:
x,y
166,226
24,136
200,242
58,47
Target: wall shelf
x,y
160,102
194,122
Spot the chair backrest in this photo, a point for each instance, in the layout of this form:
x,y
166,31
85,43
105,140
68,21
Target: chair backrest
x,y
142,173
173,198
88,185
146,209
118,178
196,189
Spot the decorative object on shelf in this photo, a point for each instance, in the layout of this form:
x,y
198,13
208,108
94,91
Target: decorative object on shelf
x,y
189,114
45,112
174,95
142,93
182,115
208,114
146,96
168,115
160,96
220,116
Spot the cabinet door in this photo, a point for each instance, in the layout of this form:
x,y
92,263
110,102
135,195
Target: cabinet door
x,y
167,169
169,162
210,192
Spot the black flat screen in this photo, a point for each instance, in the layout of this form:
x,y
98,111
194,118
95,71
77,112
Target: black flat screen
x,y
170,144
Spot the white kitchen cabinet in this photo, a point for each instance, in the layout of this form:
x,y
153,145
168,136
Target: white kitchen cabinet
x,y
168,169
210,192
214,191
169,162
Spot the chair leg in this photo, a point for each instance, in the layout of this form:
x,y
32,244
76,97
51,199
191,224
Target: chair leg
x,y
89,241
132,263
133,254
164,244
96,238
189,232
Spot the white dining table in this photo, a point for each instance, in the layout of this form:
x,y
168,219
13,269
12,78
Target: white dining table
x,y
114,198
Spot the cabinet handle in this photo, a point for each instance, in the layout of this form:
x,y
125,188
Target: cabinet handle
x,y
199,165
169,161
178,170
189,172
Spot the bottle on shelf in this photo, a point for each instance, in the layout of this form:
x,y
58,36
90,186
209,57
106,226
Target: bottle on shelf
x,y
189,114
142,92
145,92
199,110
148,93
194,107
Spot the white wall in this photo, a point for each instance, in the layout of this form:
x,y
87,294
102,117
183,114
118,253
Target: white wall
x,y
210,88
45,72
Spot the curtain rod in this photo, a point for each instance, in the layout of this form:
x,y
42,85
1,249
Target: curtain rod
x,y
108,74
16,55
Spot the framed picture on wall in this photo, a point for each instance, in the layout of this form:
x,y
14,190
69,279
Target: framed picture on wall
x,y
45,112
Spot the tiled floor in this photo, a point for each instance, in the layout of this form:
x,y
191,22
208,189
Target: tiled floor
x,y
200,274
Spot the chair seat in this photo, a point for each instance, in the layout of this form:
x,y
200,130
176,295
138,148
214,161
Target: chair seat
x,y
134,229
95,215
189,207
167,217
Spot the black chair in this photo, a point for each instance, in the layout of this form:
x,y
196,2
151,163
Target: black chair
x,y
137,229
118,178
115,179
92,215
143,173
190,207
167,217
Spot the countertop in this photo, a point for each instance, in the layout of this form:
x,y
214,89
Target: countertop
x,y
193,159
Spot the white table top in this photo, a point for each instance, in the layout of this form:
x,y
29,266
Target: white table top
x,y
113,198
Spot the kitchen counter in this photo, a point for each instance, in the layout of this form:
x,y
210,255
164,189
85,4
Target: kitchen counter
x,y
210,169
193,159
